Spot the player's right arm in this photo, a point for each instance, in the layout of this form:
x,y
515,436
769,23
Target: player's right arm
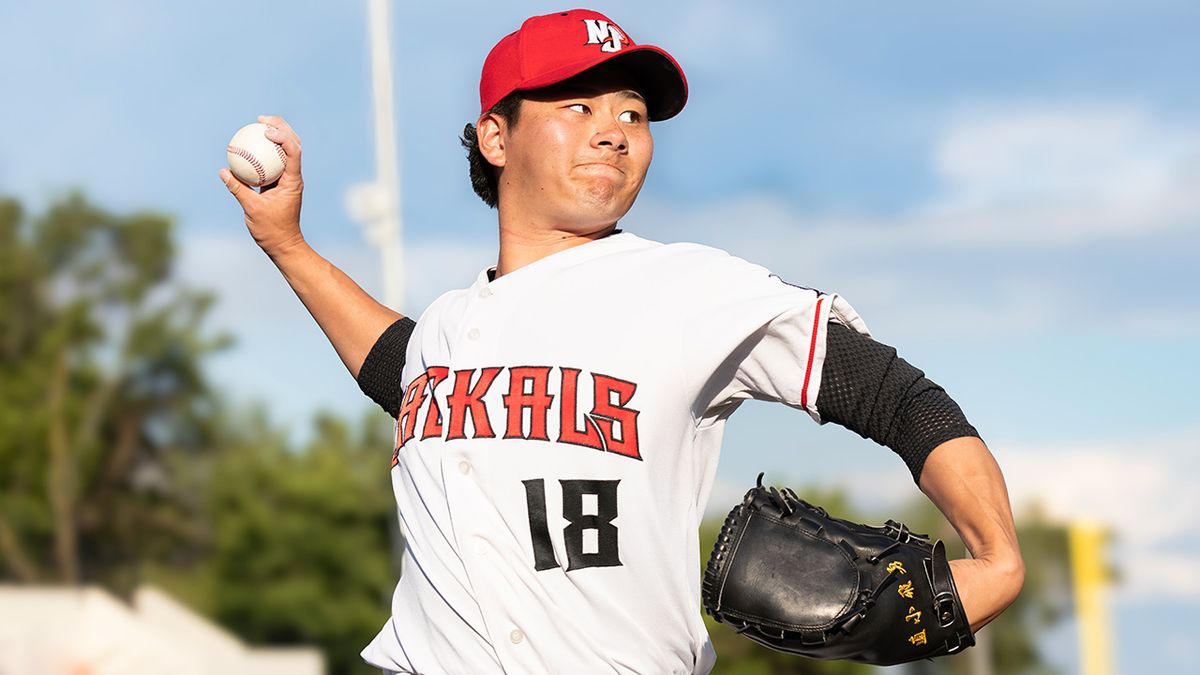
x,y
351,319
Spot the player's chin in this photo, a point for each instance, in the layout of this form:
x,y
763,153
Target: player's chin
x,y
603,195
604,214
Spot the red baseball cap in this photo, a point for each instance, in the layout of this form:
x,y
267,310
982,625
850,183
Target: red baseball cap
x,y
549,49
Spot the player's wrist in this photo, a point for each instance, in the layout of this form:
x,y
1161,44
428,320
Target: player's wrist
x,y
288,247
986,589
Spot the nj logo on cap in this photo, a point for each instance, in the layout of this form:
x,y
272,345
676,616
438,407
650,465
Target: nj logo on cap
x,y
604,34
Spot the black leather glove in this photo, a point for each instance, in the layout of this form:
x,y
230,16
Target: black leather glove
x,y
786,574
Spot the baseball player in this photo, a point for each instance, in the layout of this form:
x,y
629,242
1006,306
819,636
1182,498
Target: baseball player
x,y
559,421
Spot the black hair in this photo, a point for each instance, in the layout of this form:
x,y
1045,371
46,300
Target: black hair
x,y
485,177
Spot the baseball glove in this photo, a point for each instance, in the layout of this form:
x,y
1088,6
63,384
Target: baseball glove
x,y
788,575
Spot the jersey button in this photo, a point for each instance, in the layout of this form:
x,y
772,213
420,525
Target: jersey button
x,y
473,334
485,292
464,467
516,636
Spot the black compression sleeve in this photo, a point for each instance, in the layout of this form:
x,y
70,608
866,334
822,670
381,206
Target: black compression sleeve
x,y
379,377
868,389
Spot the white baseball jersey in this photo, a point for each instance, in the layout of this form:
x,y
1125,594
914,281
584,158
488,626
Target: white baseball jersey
x,y
556,444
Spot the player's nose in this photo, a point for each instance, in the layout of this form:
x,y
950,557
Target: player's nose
x,y
611,136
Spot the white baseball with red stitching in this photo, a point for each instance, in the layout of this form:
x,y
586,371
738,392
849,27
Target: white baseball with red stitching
x,y
253,158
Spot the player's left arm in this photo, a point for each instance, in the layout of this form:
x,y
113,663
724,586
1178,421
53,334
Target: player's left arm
x,y
868,388
962,478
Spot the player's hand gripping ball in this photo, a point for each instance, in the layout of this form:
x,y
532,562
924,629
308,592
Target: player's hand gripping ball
x,y
253,158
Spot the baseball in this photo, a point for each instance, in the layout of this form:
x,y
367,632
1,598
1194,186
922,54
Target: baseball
x,y
253,158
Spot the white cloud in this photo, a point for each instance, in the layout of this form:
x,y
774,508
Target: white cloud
x,y
1145,489
1016,154
1014,182
1033,177
1060,175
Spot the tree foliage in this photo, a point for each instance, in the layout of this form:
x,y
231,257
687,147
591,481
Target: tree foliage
x,y
300,549
100,383
119,464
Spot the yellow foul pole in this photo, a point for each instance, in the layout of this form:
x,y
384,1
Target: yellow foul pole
x,y
1089,572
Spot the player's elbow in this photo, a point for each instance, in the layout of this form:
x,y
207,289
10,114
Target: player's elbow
x,y
1016,573
1008,574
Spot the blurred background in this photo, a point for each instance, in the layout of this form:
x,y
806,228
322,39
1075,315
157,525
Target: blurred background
x,y
1006,191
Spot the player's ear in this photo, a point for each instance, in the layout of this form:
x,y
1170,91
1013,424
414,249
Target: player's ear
x,y
489,131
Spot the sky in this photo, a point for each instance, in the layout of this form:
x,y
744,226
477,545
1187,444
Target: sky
x,y
1005,191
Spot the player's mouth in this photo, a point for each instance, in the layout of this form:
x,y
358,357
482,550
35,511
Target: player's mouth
x,y
600,167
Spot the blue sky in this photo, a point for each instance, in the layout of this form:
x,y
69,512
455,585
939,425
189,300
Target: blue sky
x,y
1006,191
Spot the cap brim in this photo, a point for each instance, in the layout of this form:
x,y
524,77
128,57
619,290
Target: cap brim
x,y
665,86
662,80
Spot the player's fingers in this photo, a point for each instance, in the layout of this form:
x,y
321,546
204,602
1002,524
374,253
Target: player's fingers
x,y
275,121
243,193
279,131
291,149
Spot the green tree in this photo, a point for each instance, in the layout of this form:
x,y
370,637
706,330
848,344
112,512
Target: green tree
x,y
119,464
100,384
300,552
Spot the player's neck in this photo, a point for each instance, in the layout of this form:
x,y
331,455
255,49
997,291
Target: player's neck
x,y
522,244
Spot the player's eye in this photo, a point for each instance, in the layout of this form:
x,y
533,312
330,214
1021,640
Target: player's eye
x,y
630,116
579,108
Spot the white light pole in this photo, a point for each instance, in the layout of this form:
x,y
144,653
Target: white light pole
x,y
376,204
